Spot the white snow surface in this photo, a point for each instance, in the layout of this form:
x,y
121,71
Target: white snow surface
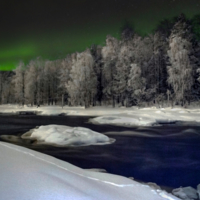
x,y
27,174
117,116
148,116
66,136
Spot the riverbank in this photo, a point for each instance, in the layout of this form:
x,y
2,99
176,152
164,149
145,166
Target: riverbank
x,y
167,155
120,116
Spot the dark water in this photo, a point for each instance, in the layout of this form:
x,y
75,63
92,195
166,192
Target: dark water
x,y
167,155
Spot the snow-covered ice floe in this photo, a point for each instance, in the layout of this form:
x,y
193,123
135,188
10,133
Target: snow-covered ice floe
x,y
27,174
66,136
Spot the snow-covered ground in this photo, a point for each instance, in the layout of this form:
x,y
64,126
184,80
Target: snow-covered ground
x,y
149,116
66,136
56,110
27,174
116,116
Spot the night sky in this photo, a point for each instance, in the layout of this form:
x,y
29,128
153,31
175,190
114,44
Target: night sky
x,y
52,29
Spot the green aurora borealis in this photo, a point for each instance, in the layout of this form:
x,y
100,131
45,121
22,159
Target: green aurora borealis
x,y
53,29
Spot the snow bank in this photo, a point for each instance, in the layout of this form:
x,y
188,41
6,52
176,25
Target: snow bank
x,y
116,116
66,136
27,174
56,110
149,117
187,193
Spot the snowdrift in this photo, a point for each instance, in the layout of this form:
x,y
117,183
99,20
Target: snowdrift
x,y
150,117
133,116
27,174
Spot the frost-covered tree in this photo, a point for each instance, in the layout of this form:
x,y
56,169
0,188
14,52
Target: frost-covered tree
x,y
198,71
64,71
181,69
82,86
96,52
136,84
64,76
165,26
123,65
6,87
133,68
33,81
56,81
157,65
125,57
142,51
19,83
110,56
31,77
2,82
196,63
51,81
127,32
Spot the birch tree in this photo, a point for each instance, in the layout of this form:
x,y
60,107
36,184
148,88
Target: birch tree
x,y
82,86
181,69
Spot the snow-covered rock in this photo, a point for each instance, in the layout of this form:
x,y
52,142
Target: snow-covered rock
x,y
154,186
27,174
198,190
186,193
66,136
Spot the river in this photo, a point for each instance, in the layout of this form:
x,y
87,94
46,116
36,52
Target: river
x,y
168,155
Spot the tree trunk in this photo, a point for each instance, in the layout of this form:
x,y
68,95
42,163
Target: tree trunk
x,y
113,101
168,99
172,102
23,88
62,100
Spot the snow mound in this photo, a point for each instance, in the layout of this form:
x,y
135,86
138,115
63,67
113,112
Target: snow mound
x,y
27,174
123,120
66,136
187,193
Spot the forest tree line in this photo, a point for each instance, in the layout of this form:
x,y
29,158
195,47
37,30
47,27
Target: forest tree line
x,y
134,70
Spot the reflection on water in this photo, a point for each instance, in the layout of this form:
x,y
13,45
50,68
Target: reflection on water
x,y
168,155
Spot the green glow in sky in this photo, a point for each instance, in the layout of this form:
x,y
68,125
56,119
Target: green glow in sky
x,y
52,46
86,28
